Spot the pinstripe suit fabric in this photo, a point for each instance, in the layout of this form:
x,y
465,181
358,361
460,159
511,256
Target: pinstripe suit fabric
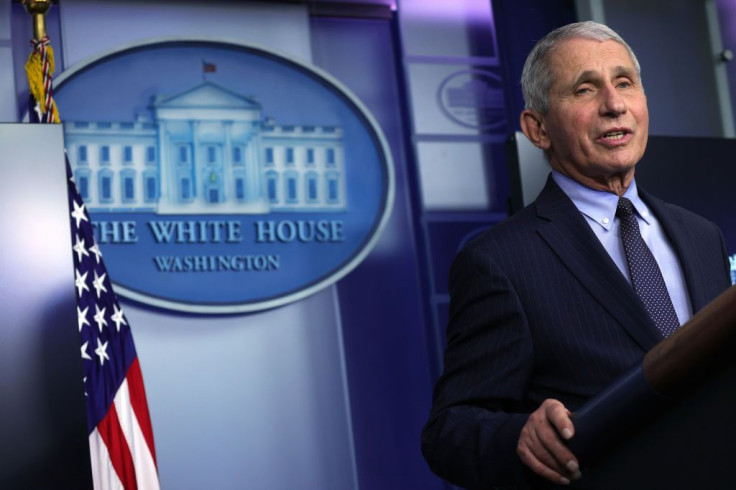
x,y
539,310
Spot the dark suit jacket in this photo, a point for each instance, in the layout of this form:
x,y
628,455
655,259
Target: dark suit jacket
x,y
539,310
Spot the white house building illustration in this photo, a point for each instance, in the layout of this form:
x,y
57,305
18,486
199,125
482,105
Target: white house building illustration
x,y
208,150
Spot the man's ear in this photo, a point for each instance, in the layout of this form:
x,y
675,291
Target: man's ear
x,y
532,124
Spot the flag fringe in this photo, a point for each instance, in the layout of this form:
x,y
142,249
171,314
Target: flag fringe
x,y
37,83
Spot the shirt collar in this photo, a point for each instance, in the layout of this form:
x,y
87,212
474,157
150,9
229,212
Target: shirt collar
x,y
599,206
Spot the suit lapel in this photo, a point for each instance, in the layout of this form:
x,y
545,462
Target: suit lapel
x,y
564,229
684,246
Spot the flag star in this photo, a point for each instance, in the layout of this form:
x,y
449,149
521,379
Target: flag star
x,y
117,317
80,282
84,381
96,250
98,283
80,249
78,214
101,351
82,317
84,351
100,317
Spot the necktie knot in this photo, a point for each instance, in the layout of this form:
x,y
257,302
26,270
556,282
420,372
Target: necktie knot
x,y
625,208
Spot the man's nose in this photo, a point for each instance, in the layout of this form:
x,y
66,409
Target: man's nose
x,y
613,103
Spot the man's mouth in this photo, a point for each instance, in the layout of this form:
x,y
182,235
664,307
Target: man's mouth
x,y
614,135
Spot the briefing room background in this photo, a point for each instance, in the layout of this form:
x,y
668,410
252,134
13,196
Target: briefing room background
x,y
331,391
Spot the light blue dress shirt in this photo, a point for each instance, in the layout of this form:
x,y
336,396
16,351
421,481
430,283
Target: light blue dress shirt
x,y
599,209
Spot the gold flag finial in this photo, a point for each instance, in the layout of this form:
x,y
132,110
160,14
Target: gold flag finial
x,y
40,64
38,9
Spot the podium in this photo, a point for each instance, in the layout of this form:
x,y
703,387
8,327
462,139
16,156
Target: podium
x,y
670,423
44,443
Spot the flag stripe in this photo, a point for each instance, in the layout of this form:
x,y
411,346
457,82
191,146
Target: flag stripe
x,y
122,452
113,437
140,407
107,478
145,469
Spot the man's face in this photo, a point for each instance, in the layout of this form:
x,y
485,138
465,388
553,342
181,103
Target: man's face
x,y
597,123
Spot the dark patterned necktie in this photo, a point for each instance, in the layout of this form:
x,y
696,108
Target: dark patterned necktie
x,y
645,274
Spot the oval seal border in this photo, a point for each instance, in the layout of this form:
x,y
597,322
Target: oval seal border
x,y
441,89
381,145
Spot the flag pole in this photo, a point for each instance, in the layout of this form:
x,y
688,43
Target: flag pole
x,y
37,9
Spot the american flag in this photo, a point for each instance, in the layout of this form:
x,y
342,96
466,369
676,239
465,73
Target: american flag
x,y
208,67
120,434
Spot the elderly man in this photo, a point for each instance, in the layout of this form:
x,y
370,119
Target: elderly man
x,y
552,305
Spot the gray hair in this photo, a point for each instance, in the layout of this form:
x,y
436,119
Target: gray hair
x,y
537,75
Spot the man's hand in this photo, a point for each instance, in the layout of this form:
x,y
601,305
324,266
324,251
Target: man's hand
x,y
541,443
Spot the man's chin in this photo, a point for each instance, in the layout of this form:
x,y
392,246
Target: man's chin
x,y
619,164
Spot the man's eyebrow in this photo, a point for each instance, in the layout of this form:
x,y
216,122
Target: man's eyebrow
x,y
619,71
626,71
585,76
